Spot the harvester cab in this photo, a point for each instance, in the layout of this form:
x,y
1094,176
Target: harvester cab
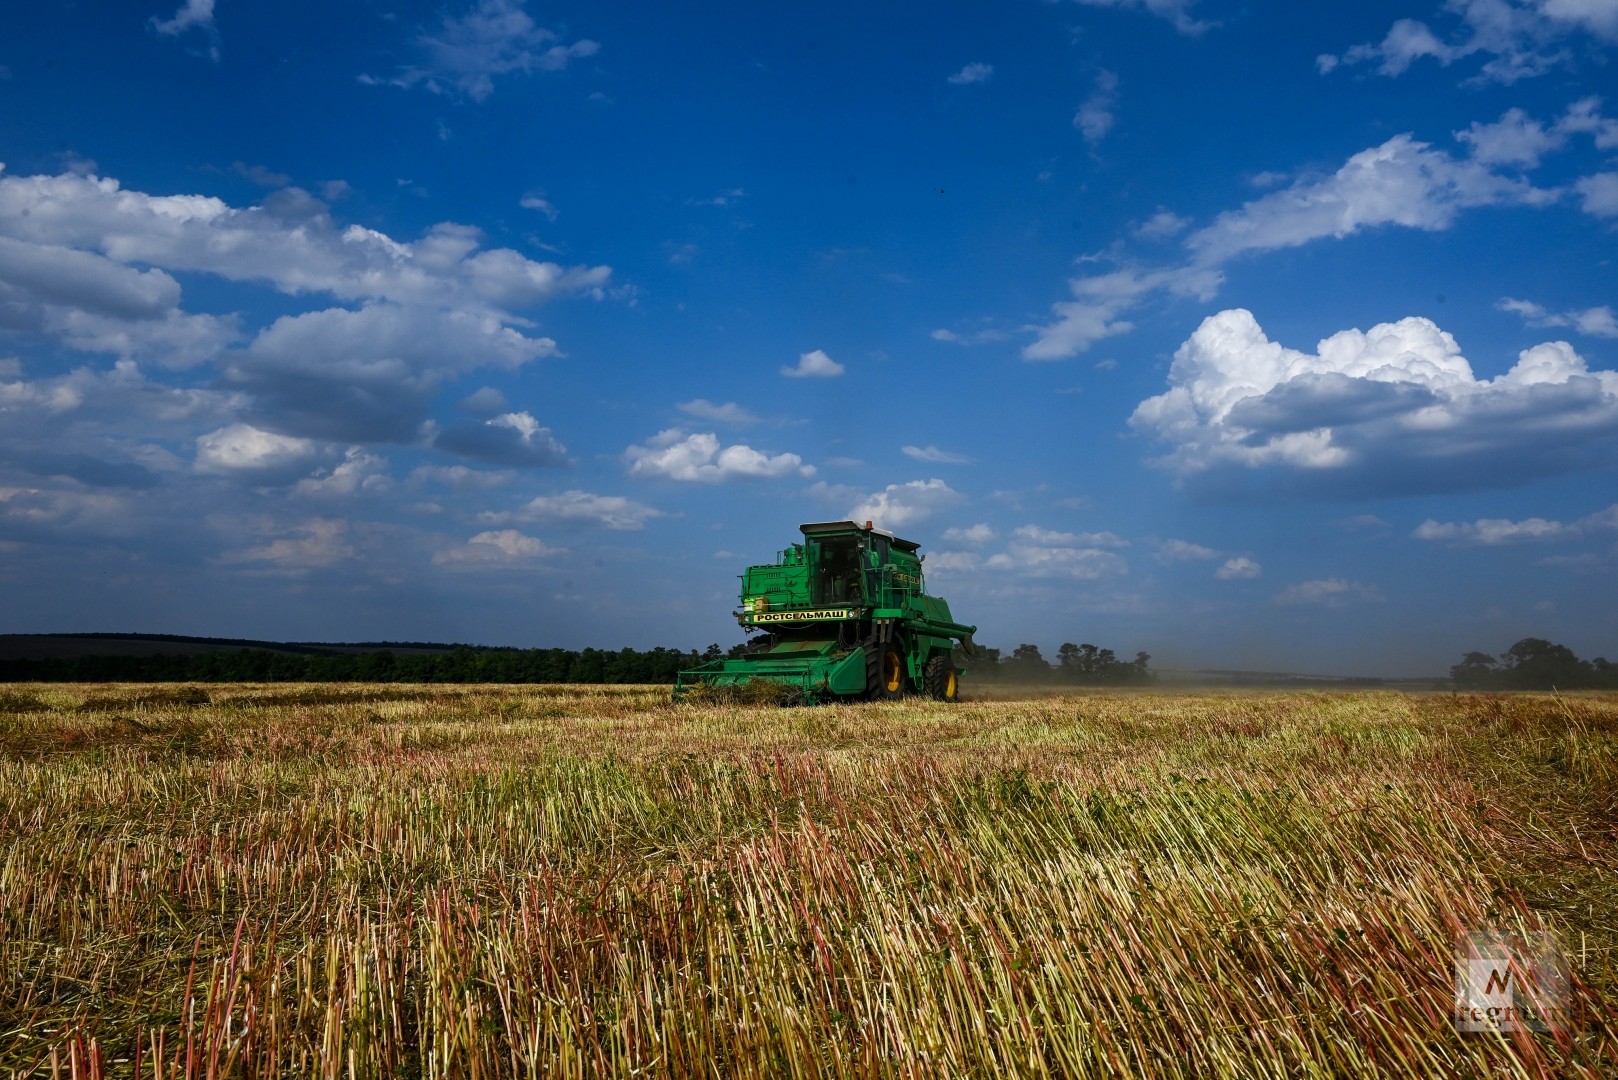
x,y
842,615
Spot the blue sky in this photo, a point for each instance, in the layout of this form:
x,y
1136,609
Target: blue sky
x,y
1252,335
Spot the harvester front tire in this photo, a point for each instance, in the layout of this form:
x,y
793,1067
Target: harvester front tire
x,y
891,675
943,681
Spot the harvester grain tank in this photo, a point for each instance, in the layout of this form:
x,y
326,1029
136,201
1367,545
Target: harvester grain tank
x,y
844,615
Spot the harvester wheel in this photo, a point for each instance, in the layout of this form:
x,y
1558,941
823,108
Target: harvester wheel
x,y
892,677
943,681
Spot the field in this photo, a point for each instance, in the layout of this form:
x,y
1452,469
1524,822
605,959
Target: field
x,y
577,881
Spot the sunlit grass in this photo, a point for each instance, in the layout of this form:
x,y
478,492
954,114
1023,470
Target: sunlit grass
x,y
586,881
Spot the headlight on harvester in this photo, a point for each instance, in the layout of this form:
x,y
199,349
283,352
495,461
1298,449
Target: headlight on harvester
x,y
747,606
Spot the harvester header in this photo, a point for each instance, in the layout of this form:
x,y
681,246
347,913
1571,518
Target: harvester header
x,y
844,615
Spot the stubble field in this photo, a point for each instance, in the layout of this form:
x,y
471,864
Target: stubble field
x,y
565,881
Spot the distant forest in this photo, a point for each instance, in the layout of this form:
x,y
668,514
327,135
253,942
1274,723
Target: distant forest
x,y
422,662
1534,664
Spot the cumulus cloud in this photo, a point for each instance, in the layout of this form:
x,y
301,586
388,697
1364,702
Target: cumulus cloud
x,y
1163,225
1095,117
1183,551
583,509
290,242
500,547
729,414
1328,592
1038,552
1599,194
246,452
368,374
676,455
899,506
972,73
934,455
1177,12
1394,408
467,52
974,535
1495,532
358,472
515,439
813,365
1239,568
1516,39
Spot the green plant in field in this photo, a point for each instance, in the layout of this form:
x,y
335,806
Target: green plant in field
x,y
588,881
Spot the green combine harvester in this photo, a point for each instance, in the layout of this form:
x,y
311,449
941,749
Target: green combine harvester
x,y
846,617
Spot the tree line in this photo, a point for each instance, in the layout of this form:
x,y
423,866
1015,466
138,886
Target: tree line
x,y
1076,664
461,664
1534,664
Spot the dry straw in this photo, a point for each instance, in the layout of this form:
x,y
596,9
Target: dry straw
x,y
582,882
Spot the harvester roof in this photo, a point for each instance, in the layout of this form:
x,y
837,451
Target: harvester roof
x,y
822,528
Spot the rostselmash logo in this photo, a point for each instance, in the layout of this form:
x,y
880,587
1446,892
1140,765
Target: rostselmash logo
x,y
1510,982
803,616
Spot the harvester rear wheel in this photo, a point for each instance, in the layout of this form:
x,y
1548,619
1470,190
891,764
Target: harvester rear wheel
x,y
943,681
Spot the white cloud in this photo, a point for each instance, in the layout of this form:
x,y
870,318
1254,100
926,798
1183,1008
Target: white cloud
x,y
246,451
1401,182
814,365
495,38
192,13
1599,194
458,477
1518,38
1239,568
1514,139
1039,552
729,414
312,544
934,455
538,203
899,506
1328,592
972,73
676,455
1494,532
1490,532
1585,117
514,439
975,535
1177,12
1596,322
501,547
1397,407
1183,551
290,242
1162,225
64,510
583,509
358,472
1095,117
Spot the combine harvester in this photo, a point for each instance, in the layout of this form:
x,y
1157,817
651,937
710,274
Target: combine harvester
x,y
846,618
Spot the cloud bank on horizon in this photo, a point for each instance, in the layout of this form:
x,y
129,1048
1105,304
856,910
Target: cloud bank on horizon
x,y
494,323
